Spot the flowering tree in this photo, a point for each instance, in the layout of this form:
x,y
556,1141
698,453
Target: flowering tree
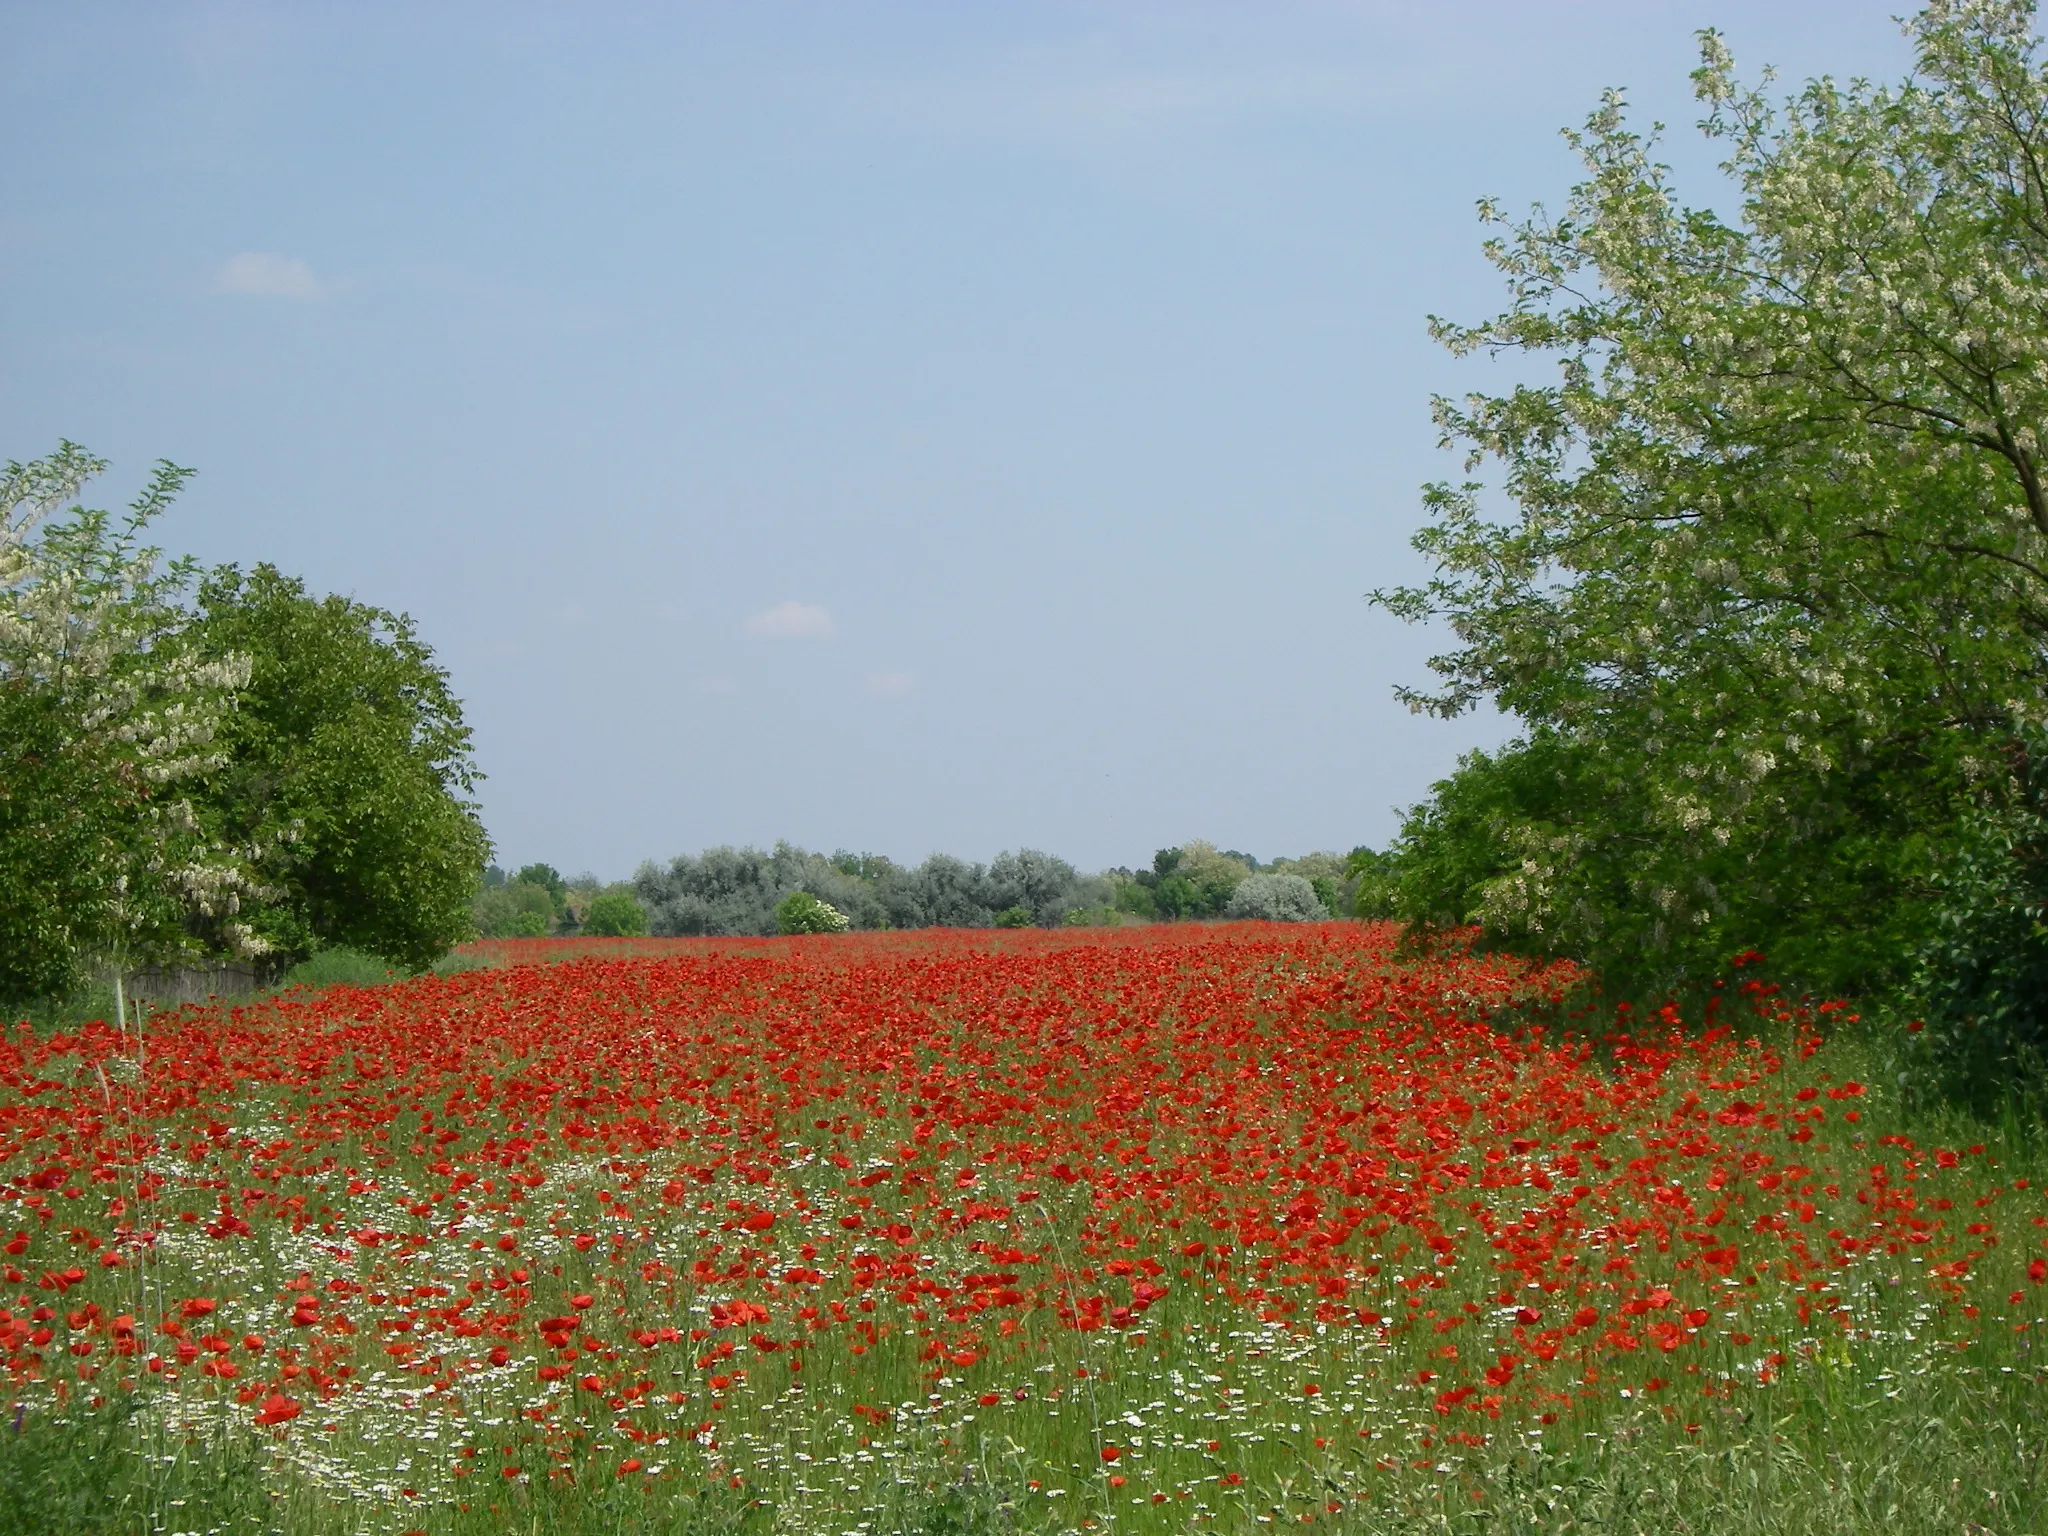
x,y
104,724
1774,585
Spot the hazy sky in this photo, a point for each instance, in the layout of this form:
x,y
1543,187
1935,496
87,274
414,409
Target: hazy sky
x,y
893,427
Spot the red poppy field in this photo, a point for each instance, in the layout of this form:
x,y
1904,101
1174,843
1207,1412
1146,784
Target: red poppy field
x,y
1189,1227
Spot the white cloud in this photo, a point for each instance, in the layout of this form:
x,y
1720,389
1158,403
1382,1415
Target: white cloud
x,y
268,276
792,621
891,685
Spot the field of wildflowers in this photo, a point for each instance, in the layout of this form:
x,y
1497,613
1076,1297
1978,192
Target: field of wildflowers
x,y
1160,1229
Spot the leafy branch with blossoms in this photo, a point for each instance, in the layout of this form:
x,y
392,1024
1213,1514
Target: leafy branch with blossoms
x,y
1763,567
113,722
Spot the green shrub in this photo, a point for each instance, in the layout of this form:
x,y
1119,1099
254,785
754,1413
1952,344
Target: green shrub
x,y
1980,977
1015,917
85,1473
1092,917
1375,881
615,915
1136,897
801,912
510,909
342,967
1276,899
548,878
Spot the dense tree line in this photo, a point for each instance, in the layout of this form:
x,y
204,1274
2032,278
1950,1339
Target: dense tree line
x,y
756,891
539,900
737,890
1768,583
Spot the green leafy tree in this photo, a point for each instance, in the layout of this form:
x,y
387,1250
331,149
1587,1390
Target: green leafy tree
x,y
1773,586
1169,893
347,767
105,724
1213,875
1372,878
513,909
548,878
1328,874
1134,893
615,914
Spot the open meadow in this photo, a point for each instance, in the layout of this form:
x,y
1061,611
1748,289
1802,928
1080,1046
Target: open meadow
x,y
1159,1229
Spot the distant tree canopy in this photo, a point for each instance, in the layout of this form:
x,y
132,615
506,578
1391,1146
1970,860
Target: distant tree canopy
x,y
737,890
1191,881
547,877
514,909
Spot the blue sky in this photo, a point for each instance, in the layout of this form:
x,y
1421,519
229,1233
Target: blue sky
x,y
893,427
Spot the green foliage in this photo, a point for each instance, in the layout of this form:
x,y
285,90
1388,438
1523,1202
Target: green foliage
x,y
1193,881
1770,590
86,1003
341,968
863,866
90,1472
1276,898
549,879
57,817
615,914
1211,875
104,724
1467,836
1134,894
1980,978
1373,880
1107,916
513,909
347,774
1550,844
736,890
1330,876
801,912
1046,886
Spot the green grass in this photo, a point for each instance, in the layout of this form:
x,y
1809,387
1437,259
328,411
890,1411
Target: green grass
x,y
101,1472
342,967
1952,1451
